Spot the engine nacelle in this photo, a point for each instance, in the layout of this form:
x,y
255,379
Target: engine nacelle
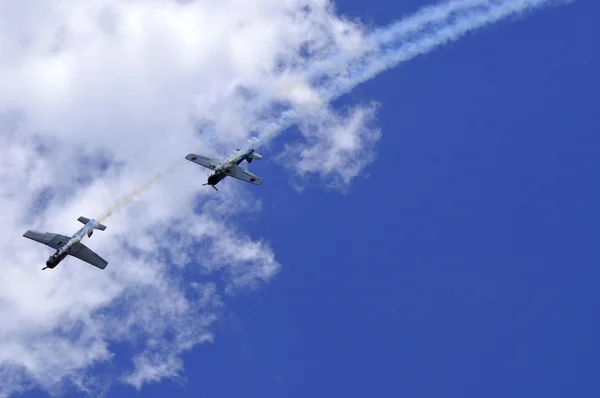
x,y
54,260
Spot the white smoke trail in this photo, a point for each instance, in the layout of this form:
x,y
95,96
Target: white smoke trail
x,y
421,33
427,15
431,38
134,195
438,14
329,68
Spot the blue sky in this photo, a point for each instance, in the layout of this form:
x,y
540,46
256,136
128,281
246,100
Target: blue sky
x,y
462,264
465,264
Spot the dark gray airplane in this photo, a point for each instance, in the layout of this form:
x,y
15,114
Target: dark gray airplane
x,y
228,167
70,246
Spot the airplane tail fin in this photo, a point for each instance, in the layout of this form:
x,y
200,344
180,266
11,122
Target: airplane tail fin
x,y
85,220
254,155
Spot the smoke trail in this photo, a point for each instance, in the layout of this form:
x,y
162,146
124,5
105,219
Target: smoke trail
x,y
133,195
430,39
328,71
421,33
323,70
467,14
287,119
427,15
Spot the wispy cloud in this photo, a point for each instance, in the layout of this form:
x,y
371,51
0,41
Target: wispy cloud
x,y
337,147
99,98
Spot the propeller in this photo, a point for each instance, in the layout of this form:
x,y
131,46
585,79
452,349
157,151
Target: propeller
x,y
207,177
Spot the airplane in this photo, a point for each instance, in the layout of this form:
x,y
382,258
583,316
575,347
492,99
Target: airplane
x,y
65,245
228,167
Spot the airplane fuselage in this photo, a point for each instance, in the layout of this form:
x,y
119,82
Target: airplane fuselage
x,y
235,159
223,168
61,253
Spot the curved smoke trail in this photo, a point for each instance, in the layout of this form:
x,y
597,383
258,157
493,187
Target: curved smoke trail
x,y
421,33
134,194
426,16
461,23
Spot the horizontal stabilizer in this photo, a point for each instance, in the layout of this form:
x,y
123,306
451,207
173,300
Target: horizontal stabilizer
x,y
255,155
85,220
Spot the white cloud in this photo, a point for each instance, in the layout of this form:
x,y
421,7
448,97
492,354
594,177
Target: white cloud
x,y
338,147
95,98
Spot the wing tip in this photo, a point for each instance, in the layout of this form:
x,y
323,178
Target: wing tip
x,y
30,233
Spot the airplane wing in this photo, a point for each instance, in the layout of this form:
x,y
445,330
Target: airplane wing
x,y
84,253
244,175
203,161
55,241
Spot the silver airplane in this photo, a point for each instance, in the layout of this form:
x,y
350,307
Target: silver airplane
x,y
228,167
65,245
